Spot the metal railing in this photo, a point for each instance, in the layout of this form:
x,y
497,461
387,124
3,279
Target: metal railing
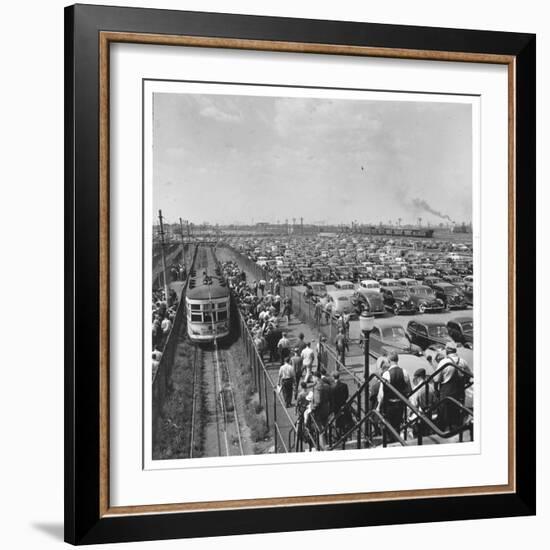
x,y
368,418
162,378
277,417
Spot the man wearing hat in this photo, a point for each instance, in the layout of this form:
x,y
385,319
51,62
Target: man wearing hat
x,y
454,372
423,397
389,403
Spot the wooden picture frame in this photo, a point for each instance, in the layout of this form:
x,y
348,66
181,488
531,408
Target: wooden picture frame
x,y
89,32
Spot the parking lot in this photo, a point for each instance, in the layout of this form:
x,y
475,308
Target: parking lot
x,y
293,261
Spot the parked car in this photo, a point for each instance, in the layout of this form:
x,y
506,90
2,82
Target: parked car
x,y
370,284
316,289
344,285
398,300
427,333
431,281
451,295
469,295
406,281
425,299
461,329
388,283
368,300
392,338
338,302
455,280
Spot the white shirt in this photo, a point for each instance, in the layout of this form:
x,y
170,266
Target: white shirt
x,y
286,371
307,356
165,325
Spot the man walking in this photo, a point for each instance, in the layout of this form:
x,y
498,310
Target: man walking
x,y
296,362
422,398
286,382
307,356
389,403
322,355
320,406
340,395
341,343
451,381
283,347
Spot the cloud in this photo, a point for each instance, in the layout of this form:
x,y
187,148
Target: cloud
x,y
217,114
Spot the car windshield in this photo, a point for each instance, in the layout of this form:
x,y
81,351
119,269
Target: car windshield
x,y
400,294
451,291
390,333
423,292
468,327
438,331
343,299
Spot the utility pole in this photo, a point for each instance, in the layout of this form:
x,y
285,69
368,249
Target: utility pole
x,y
163,255
188,233
182,245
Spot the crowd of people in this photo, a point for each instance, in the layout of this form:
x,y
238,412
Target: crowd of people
x,y
163,314
303,380
318,396
448,385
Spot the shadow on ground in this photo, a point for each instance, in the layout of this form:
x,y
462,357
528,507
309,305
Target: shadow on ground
x,y
54,530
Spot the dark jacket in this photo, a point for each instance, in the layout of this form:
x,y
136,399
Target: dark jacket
x,y
340,394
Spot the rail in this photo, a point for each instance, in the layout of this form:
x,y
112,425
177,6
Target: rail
x,y
365,416
162,377
276,413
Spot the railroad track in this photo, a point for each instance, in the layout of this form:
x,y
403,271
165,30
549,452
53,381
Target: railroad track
x,y
226,417
213,391
196,396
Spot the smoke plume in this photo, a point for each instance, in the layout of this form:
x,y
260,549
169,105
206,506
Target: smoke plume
x,y
420,204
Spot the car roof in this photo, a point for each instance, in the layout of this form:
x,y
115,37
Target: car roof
x,y
428,323
461,320
338,293
445,285
421,286
370,291
343,282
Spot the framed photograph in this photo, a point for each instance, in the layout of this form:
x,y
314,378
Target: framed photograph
x,y
300,272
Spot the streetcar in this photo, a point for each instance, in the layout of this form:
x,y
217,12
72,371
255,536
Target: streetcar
x,y
207,307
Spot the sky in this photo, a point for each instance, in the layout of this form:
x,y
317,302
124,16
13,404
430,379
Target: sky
x,y
230,158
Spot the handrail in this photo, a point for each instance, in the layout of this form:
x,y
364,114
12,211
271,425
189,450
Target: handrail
x,y
265,371
357,426
437,371
420,415
341,365
435,406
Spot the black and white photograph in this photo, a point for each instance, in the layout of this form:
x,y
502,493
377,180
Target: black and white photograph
x,y
312,284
